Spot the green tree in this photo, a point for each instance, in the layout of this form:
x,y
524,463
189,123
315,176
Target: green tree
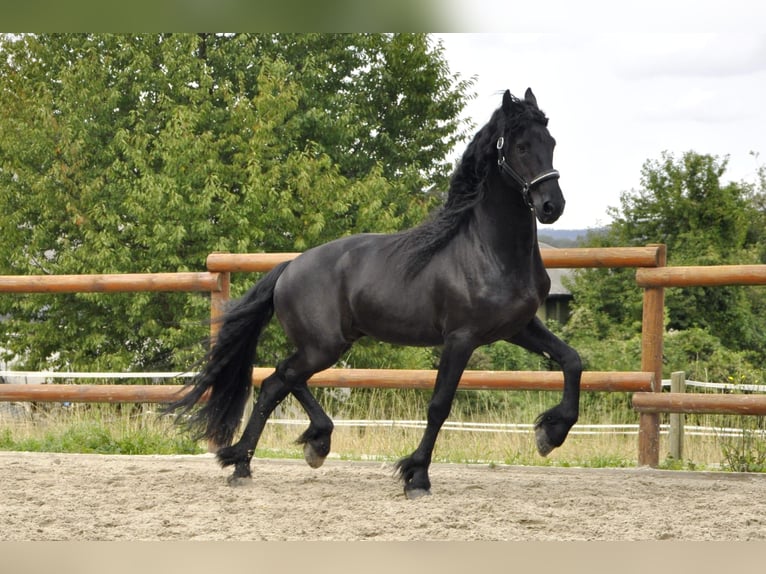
x,y
682,203
144,153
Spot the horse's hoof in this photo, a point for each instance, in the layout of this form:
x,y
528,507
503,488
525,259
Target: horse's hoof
x,y
312,458
544,446
415,493
239,481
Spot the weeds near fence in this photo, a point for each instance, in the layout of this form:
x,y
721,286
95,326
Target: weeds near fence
x,y
140,429
745,451
95,428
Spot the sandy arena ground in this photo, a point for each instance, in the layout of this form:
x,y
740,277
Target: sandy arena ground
x,y
93,497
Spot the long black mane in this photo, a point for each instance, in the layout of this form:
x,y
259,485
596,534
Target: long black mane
x,y
466,188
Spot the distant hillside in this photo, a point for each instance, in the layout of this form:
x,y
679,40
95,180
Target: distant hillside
x,y
564,237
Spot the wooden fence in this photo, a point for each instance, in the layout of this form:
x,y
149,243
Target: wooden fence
x,y
651,405
651,274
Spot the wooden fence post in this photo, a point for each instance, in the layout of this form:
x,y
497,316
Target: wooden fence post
x,y
652,332
218,301
676,439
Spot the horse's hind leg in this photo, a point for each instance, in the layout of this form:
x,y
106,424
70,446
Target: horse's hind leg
x,y
316,439
273,391
290,377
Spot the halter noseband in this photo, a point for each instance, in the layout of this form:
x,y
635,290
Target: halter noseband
x,y
526,186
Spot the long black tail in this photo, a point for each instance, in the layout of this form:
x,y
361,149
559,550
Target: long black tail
x,y
227,369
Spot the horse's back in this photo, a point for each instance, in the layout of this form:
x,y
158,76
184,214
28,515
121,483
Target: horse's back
x,y
326,265
352,287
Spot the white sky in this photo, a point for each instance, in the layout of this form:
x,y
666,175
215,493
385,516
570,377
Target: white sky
x,y
617,99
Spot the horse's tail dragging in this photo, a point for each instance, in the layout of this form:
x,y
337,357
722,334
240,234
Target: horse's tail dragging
x,y
227,367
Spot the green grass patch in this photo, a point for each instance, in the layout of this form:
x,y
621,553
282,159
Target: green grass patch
x,y
96,429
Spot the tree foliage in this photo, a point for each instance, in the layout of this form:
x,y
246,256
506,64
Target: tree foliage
x,y
145,153
684,204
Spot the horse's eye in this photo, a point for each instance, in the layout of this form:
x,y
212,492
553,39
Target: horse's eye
x,y
522,148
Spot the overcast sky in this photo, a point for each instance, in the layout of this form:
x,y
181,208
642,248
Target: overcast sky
x,y
617,99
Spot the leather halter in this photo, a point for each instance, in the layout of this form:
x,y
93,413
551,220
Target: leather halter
x,y
525,185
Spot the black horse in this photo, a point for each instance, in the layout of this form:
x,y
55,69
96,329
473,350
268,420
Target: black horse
x,y
470,275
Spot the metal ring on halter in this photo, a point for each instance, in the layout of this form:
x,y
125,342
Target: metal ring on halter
x,y
505,167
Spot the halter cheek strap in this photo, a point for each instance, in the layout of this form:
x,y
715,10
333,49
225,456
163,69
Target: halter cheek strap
x,y
525,185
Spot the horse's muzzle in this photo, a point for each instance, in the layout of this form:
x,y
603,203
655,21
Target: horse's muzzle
x,y
548,210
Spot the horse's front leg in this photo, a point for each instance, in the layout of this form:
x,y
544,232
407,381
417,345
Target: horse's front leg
x,y
552,426
413,469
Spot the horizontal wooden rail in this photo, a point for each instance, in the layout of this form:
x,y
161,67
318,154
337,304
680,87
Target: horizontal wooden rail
x,y
702,276
72,393
699,403
601,257
255,262
351,378
553,258
473,380
110,283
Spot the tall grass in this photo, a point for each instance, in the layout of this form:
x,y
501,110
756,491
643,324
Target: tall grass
x,y
101,429
140,429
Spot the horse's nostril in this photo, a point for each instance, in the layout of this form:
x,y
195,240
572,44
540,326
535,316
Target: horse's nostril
x,y
548,208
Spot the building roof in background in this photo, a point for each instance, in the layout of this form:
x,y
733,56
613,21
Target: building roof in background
x,y
556,275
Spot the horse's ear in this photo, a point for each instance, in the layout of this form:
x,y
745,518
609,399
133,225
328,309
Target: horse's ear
x,y
507,102
530,98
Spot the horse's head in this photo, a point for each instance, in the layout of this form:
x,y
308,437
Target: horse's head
x,y
525,157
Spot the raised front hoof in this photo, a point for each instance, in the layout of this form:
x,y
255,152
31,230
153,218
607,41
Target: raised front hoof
x,y
415,493
239,481
544,445
552,428
313,458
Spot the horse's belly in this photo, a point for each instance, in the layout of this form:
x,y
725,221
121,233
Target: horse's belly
x,y
396,322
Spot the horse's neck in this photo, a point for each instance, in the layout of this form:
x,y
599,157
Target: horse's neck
x,y
503,224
